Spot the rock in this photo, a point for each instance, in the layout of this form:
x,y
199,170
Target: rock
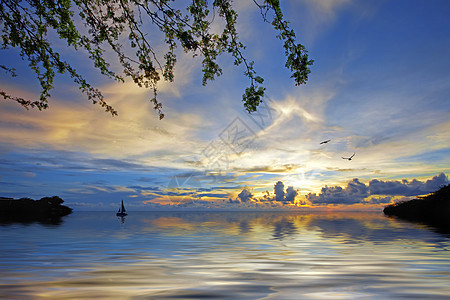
x,y
433,209
47,210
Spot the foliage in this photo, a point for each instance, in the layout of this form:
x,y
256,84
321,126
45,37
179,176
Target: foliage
x,y
97,26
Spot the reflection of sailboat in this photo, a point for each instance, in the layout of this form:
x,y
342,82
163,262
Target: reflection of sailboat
x,y
122,211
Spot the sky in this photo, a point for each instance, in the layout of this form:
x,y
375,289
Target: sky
x,y
379,89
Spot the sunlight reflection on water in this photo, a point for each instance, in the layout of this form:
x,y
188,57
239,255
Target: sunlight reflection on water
x,y
232,255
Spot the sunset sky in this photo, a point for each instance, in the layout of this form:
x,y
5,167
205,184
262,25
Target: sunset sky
x,y
379,88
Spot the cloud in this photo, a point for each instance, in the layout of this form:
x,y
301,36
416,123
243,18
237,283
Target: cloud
x,y
376,192
245,195
329,195
318,15
115,164
379,200
355,192
29,174
266,197
407,188
271,169
291,193
279,191
357,188
327,7
82,127
280,195
146,179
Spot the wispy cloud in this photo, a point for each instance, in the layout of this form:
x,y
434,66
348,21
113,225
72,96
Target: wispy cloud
x,y
78,127
316,16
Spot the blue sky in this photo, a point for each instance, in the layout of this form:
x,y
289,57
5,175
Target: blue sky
x,y
379,88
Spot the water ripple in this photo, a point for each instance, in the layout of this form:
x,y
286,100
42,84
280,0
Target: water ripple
x,y
224,256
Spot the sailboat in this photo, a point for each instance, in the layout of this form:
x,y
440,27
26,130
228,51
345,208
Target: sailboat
x,y
121,212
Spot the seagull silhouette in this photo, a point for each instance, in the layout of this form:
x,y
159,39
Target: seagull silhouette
x,y
349,158
324,142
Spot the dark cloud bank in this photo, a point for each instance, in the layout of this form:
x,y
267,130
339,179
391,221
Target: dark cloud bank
x,y
376,192
357,192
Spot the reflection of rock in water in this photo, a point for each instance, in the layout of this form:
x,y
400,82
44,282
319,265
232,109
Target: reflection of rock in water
x,y
283,228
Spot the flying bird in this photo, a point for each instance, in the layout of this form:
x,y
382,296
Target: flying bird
x,y
349,158
324,142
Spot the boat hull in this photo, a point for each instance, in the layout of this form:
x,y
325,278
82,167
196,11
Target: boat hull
x,y
121,214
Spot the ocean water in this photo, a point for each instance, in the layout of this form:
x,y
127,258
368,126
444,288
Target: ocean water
x,y
224,255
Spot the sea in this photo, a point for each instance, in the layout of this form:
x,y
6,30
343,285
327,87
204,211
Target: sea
x,y
224,255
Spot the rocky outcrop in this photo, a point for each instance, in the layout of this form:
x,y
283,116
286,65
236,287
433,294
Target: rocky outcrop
x,y
47,209
433,209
